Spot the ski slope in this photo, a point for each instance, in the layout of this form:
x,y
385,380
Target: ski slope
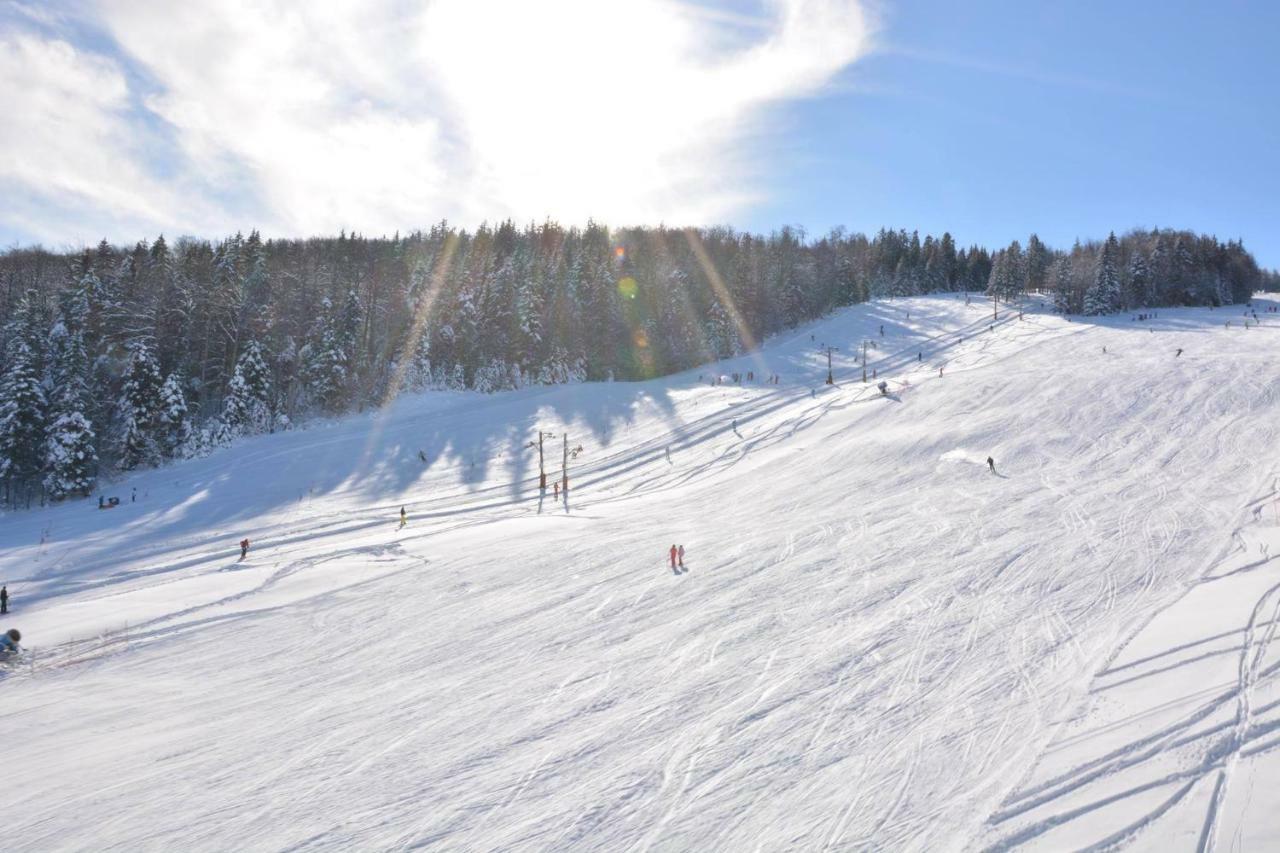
x,y
877,642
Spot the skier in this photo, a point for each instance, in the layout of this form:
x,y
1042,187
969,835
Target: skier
x,y
422,455
675,554
882,331
556,490
404,519
991,463
680,556
133,498
9,642
244,548
4,599
1178,353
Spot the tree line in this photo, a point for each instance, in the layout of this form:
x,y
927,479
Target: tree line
x,y
119,357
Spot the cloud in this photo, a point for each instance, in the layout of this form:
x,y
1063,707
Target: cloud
x,y
388,114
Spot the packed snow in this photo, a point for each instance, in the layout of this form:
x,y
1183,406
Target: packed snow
x,y
876,640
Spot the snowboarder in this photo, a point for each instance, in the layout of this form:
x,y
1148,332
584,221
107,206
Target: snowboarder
x,y
9,642
675,554
680,556
991,463
4,599
244,548
404,519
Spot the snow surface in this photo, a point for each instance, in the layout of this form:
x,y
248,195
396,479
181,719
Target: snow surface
x,y
877,643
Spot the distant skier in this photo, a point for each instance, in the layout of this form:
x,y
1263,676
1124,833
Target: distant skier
x,y
9,642
991,463
675,555
882,331
4,599
680,556
404,519
244,548
1178,353
422,455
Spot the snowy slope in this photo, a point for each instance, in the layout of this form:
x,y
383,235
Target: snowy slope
x,y
877,642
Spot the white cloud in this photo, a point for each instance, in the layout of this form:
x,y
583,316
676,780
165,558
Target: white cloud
x,y
389,114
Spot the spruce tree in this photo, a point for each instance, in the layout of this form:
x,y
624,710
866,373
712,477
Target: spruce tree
x,y
71,456
1104,296
22,416
247,405
173,422
138,410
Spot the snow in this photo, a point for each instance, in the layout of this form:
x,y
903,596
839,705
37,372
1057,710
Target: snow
x,y
877,642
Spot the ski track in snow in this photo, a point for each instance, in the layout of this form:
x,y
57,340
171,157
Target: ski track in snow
x,y
876,642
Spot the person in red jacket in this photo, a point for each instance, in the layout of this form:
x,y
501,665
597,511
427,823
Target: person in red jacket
x,y
244,548
674,555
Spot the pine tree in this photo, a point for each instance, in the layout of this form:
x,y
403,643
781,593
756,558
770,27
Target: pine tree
x,y
325,363
1063,286
1138,288
174,433
22,415
247,405
138,410
70,456
1104,296
1039,261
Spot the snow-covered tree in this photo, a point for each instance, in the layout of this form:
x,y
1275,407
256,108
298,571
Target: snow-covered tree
x,y
22,415
138,409
71,457
174,432
246,408
1063,286
1104,296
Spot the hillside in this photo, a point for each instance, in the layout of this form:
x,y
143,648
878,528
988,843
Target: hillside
x,y
877,641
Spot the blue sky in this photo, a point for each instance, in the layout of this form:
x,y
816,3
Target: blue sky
x,y
997,119
989,119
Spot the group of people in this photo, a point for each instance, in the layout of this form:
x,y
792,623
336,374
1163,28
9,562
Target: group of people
x,y
738,378
677,557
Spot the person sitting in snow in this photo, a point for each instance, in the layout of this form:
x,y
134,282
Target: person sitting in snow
x,y
9,642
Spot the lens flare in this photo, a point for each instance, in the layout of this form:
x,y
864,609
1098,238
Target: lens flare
x,y
641,339
627,288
